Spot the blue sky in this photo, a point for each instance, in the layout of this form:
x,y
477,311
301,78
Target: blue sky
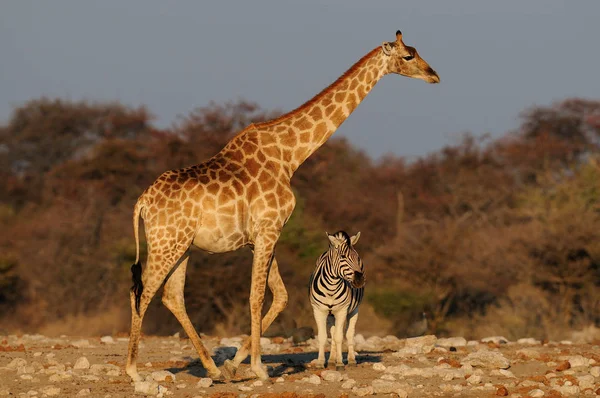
x,y
495,59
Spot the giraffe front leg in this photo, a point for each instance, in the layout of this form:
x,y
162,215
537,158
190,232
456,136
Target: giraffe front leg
x,y
263,256
350,338
337,336
321,321
173,299
280,299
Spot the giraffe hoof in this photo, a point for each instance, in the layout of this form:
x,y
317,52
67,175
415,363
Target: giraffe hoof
x,y
216,375
229,369
352,362
260,372
320,365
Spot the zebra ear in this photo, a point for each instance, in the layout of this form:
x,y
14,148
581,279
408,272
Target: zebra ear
x,y
355,238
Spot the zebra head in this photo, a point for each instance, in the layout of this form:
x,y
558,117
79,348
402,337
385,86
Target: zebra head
x,y
341,250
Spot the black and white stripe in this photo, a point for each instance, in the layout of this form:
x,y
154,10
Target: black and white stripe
x,y
337,288
331,282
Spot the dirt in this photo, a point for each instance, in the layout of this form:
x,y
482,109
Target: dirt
x,y
543,367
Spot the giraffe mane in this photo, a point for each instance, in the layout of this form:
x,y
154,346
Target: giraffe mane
x,y
317,97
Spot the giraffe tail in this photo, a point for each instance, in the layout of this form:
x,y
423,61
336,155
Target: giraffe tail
x,y
136,269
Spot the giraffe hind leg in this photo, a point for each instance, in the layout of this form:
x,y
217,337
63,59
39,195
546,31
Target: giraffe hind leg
x,y
153,275
173,299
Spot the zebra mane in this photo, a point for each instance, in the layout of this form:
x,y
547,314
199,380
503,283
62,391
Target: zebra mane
x,y
343,235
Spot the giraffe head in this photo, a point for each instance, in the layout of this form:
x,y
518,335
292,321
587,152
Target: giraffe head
x,y
405,60
351,268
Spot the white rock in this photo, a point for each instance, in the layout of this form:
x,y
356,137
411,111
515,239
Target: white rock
x,y
313,379
502,373
146,387
495,339
349,383
107,340
82,363
4,392
27,369
26,377
474,379
50,391
385,386
279,380
378,366
530,383
426,343
244,388
568,390
162,390
16,363
204,382
84,392
586,381
595,371
181,385
529,340
452,342
61,376
536,393
37,354
578,360
331,375
388,377
363,391
81,343
487,359
148,364
163,375
257,383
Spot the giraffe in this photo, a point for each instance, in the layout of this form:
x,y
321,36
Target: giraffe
x,y
242,197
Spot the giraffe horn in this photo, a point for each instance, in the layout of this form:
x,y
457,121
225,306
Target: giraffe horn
x,y
399,37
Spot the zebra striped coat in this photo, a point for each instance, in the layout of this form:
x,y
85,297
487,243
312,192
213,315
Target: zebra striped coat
x,y
337,288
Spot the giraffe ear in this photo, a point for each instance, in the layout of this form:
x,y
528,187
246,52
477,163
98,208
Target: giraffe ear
x,y
399,37
387,48
355,238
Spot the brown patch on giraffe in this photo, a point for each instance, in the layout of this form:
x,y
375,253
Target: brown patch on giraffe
x,y
273,152
252,166
224,176
340,97
289,140
316,113
305,137
353,84
261,157
237,187
226,195
352,101
338,116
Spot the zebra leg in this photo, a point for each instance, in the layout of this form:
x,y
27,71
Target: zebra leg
x,y
280,299
350,338
173,299
338,336
321,320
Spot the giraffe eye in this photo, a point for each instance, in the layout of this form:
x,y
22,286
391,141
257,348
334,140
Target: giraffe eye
x,y
408,57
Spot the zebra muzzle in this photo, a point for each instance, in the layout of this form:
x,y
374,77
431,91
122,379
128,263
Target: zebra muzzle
x,y
359,279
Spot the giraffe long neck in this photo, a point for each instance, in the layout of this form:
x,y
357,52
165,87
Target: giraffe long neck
x,y
302,131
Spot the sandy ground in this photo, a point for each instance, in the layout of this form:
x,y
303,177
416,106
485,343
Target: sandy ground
x,y
38,366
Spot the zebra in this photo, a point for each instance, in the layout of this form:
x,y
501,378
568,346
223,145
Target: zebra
x,y
336,288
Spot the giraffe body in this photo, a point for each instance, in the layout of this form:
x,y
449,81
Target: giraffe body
x,y
242,197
